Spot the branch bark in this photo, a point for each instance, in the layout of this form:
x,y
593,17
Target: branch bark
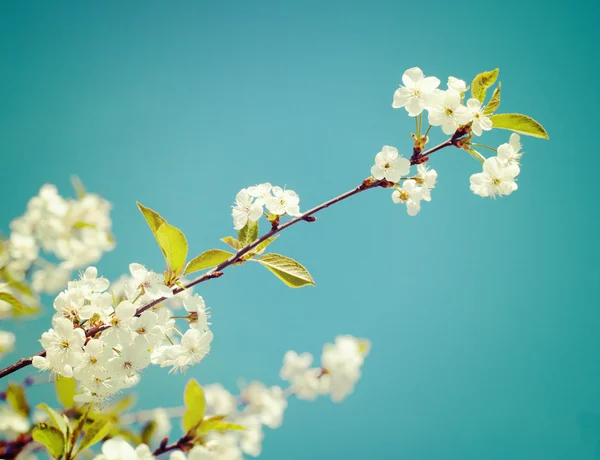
x,y
217,272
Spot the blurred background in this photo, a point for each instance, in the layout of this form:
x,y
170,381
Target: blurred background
x,y
483,314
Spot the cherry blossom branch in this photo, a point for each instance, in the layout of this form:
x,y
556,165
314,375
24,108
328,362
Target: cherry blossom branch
x,y
217,272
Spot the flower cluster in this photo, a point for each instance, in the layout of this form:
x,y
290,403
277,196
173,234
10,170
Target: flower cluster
x,y
103,341
461,118
258,405
249,204
75,231
391,166
339,370
500,171
444,107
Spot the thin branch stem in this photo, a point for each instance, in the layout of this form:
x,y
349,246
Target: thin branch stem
x,y
217,272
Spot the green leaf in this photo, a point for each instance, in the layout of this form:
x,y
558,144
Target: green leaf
x,y
518,123
219,425
478,156
83,225
207,259
174,246
95,433
258,250
232,242
51,438
154,220
15,395
482,82
148,431
57,420
248,234
12,301
494,101
13,283
195,403
78,187
287,270
66,389
122,404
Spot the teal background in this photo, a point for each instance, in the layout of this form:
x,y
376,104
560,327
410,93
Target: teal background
x,y
483,314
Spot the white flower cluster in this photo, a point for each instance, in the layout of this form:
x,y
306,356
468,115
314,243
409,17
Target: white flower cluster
x,y
76,231
249,203
339,370
258,405
500,171
124,343
444,107
391,166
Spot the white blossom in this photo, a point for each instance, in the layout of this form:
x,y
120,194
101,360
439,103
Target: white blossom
x,y
246,208
267,403
283,202
410,194
458,85
447,111
389,165
427,178
152,284
496,179
342,362
481,122
414,95
511,153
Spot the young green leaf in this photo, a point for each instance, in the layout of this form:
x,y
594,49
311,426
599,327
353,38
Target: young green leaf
x,y
258,250
78,187
482,82
174,246
219,425
12,301
287,270
195,403
249,233
207,259
232,242
478,156
65,391
122,404
51,438
81,224
95,433
494,101
15,395
148,431
55,418
518,123
154,220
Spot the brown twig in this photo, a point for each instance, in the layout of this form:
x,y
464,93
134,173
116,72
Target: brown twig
x,y
217,272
